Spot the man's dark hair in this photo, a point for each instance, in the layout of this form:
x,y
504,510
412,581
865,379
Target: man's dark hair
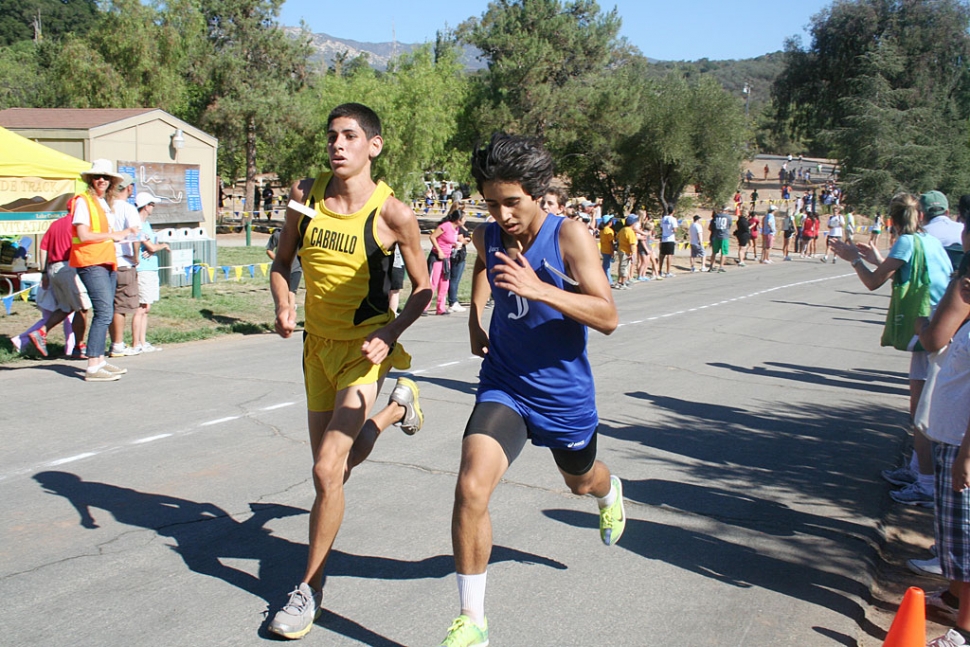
x,y
366,118
512,158
963,208
560,194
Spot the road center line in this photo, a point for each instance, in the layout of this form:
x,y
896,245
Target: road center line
x,y
219,421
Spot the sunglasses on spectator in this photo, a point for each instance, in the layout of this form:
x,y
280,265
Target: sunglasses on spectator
x,y
106,178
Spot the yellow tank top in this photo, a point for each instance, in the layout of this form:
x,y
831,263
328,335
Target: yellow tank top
x,y
347,268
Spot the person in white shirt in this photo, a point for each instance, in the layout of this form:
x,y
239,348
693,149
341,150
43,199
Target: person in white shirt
x,y
935,214
124,215
697,243
668,241
836,232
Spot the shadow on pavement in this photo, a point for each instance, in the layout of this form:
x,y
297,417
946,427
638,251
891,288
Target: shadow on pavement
x,y
736,565
457,386
205,534
832,307
841,378
823,452
735,456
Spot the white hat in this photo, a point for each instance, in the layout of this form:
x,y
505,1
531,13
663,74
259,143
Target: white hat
x,y
145,198
100,167
772,208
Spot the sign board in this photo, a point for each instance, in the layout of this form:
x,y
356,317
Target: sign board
x,y
26,227
176,186
181,258
16,188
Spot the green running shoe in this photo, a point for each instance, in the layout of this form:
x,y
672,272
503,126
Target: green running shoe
x,y
465,633
613,518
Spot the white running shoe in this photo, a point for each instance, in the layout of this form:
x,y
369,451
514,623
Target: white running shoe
x,y
295,619
952,638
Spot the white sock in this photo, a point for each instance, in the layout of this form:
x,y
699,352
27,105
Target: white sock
x,y
609,499
96,367
471,595
914,463
925,482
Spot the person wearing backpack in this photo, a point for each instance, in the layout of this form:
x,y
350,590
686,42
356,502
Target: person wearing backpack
x,y
912,243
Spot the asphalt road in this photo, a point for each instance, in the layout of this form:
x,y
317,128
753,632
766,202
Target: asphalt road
x,y
748,414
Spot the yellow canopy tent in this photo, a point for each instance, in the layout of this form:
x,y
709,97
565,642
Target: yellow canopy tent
x,y
35,184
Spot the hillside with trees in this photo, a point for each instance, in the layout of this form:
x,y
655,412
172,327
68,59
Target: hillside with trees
x,y
883,87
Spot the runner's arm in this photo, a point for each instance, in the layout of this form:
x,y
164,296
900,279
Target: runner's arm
x,y
950,314
402,227
480,293
592,306
279,276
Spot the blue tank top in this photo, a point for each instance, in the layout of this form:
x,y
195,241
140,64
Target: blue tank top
x,y
537,355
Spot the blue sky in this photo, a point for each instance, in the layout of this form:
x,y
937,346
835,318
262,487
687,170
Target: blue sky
x,y
665,29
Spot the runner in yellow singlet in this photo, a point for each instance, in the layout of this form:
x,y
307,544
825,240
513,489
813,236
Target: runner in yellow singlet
x,y
346,227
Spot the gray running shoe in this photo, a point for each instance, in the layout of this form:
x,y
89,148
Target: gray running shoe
x,y
929,566
111,368
900,476
296,617
101,375
405,393
913,494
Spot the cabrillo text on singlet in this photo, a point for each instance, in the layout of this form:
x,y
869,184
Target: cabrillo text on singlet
x,y
336,241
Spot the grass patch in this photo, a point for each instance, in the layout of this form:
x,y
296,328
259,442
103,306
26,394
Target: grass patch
x,y
234,306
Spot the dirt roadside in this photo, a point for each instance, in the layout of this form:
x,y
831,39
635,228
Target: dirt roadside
x,y
907,534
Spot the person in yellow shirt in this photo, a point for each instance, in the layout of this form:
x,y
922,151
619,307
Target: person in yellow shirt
x,y
346,227
607,239
626,239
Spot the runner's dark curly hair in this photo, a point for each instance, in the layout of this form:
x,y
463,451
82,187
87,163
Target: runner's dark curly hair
x,y
513,158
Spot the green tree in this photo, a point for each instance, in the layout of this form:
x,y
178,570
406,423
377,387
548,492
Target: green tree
x,y
893,140
930,38
80,77
652,138
254,70
152,48
36,19
541,56
603,161
23,80
418,99
885,88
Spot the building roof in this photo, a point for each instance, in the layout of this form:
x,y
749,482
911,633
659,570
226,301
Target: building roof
x,y
66,118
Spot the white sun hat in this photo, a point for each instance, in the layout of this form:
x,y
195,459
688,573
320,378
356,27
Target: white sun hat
x,y
100,167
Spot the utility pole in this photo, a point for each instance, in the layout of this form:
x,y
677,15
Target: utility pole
x,y
747,97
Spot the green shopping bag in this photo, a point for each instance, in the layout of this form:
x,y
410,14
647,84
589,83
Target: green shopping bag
x,y
910,301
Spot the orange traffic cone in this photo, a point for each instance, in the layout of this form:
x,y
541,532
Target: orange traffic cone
x,y
909,625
